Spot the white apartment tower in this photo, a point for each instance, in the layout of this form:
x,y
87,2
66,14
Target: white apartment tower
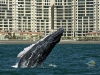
x,y
43,16
77,17
17,15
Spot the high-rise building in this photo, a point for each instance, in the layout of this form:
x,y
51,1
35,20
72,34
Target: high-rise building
x,y
17,15
77,17
43,16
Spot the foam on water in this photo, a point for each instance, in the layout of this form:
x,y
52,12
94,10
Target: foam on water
x,y
52,65
44,66
15,66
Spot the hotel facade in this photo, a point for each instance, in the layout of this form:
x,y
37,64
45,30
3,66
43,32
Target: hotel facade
x,y
77,17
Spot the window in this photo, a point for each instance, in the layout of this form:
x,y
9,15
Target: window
x,y
64,0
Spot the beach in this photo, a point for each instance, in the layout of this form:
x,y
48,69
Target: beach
x,y
61,42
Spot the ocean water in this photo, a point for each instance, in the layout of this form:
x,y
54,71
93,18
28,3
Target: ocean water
x,y
65,59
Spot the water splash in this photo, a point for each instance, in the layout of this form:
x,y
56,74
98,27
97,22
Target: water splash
x,y
23,65
15,66
43,66
52,65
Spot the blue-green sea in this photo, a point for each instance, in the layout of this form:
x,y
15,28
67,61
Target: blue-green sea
x,y
65,59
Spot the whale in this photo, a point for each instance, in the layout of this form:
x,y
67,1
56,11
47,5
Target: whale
x,y
35,54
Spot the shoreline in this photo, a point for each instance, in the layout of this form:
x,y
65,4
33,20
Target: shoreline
x,y
79,42
61,42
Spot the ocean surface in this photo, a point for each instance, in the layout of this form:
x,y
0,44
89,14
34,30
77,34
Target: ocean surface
x,y
65,59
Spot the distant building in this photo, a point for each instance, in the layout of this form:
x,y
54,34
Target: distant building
x,y
77,17
93,34
17,15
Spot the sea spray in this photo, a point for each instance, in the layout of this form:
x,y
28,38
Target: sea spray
x,y
15,66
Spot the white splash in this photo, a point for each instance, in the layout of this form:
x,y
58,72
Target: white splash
x,y
52,65
23,65
25,51
15,66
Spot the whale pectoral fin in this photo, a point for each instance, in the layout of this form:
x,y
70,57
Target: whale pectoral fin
x,y
24,59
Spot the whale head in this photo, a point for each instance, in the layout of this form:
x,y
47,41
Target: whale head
x,y
54,37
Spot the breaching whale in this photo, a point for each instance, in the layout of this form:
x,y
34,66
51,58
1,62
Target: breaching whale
x,y
35,54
